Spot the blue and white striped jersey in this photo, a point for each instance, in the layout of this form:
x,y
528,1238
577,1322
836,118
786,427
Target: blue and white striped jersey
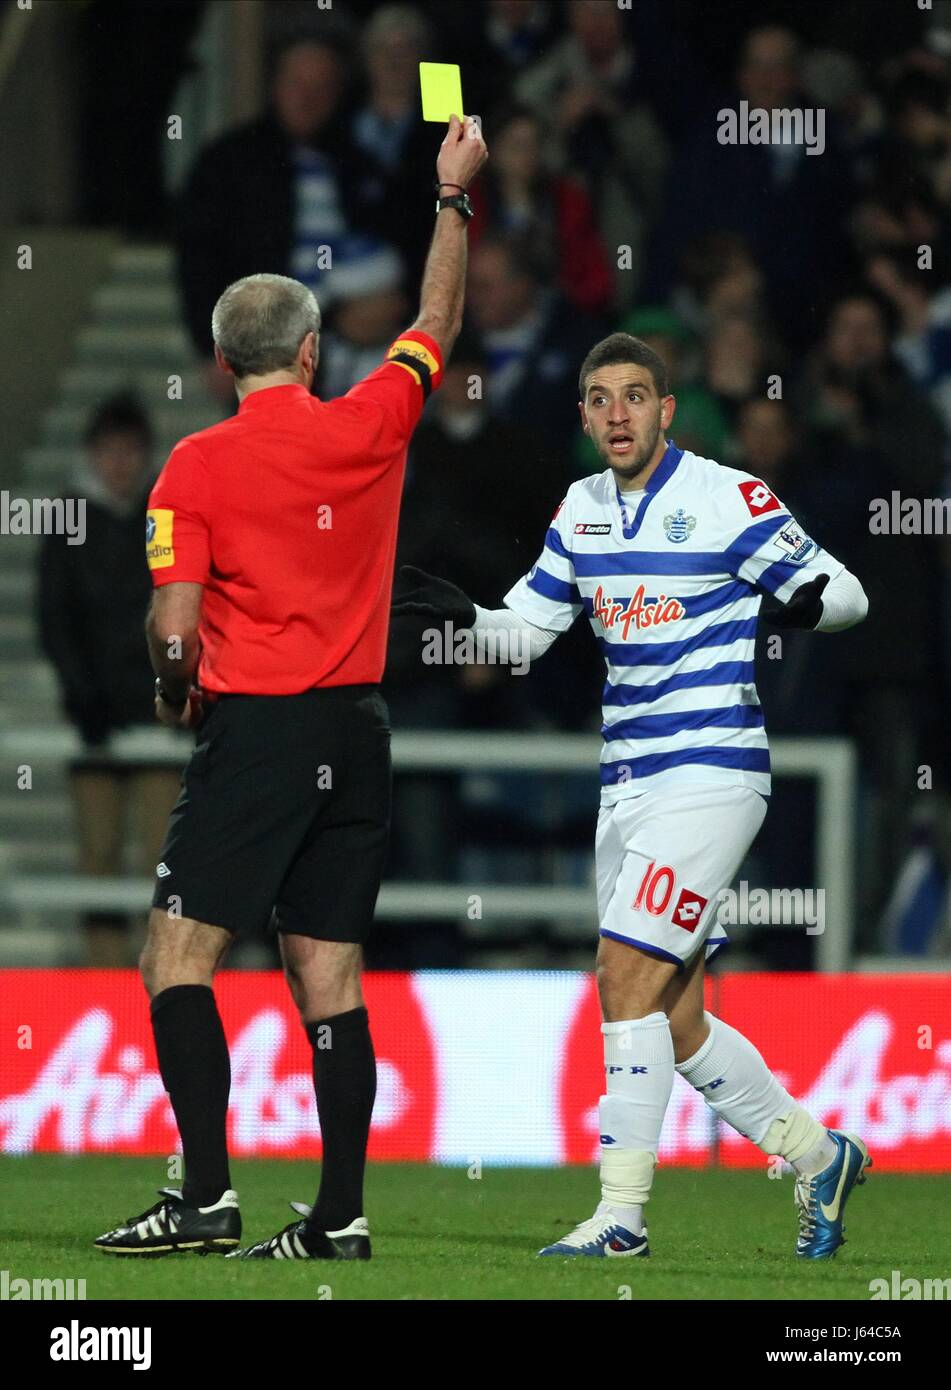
x,y
672,591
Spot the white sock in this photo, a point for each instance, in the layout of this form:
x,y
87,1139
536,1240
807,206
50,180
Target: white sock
x,y
738,1085
804,1143
639,1072
736,1082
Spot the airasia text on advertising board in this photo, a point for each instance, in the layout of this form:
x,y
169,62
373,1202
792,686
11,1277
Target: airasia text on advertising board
x,y
505,1067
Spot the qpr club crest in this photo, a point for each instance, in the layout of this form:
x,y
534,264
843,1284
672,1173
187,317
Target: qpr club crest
x,y
677,526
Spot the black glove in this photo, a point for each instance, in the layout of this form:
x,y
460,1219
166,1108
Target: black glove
x,y
804,609
423,595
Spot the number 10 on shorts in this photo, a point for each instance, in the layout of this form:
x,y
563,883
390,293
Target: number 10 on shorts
x,y
656,890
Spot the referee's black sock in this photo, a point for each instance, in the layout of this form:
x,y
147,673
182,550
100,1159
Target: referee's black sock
x,y
196,1069
345,1086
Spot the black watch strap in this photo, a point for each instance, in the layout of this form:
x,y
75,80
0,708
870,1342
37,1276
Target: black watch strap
x,y
459,201
165,698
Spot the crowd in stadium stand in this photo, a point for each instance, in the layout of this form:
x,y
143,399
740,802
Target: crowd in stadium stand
x,y
802,301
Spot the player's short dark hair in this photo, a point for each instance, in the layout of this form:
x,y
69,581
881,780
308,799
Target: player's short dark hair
x,y
624,347
120,414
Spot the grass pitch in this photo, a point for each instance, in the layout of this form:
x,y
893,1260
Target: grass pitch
x,y
438,1234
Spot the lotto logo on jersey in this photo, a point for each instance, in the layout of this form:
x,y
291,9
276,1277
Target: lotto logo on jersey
x,y
758,497
159,547
689,910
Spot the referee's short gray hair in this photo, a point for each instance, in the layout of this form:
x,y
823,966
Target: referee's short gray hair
x,y
260,322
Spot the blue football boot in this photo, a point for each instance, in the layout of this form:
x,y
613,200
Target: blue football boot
x,y
600,1237
821,1199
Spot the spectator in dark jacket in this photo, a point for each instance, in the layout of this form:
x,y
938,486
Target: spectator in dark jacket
x,y
853,388
93,596
533,340
92,604
764,193
287,193
500,39
874,433
393,142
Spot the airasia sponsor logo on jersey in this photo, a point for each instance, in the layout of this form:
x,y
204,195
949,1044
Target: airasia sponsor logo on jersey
x,y
758,497
81,1075
636,613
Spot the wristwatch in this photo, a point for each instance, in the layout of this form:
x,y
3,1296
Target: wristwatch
x,y
458,200
161,693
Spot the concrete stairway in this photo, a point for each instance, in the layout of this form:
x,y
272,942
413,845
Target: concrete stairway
x,y
133,340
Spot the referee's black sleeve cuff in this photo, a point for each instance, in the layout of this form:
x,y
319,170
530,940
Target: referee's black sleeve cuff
x,y
419,369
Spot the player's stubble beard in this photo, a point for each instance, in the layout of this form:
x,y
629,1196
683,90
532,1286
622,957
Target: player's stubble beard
x,y
628,471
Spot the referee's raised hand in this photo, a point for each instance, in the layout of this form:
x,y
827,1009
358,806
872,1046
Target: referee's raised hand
x,y
461,154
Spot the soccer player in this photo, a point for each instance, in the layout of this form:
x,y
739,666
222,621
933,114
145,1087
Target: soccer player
x,y
669,556
271,539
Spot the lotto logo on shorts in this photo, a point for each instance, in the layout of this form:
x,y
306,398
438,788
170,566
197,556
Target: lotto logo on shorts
x,y
758,497
689,910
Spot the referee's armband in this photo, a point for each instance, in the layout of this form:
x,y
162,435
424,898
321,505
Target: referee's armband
x,y
416,359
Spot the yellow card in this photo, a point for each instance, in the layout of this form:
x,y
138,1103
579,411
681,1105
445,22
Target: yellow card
x,y
441,86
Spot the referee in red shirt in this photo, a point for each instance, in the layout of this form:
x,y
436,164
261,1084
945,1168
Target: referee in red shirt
x,y
271,540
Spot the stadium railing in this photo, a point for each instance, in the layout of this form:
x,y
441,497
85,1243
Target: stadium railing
x,y
830,762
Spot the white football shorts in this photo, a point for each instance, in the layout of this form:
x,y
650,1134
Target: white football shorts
x,y
662,859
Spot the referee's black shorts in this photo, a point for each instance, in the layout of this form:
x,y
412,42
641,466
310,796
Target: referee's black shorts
x,y
283,816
